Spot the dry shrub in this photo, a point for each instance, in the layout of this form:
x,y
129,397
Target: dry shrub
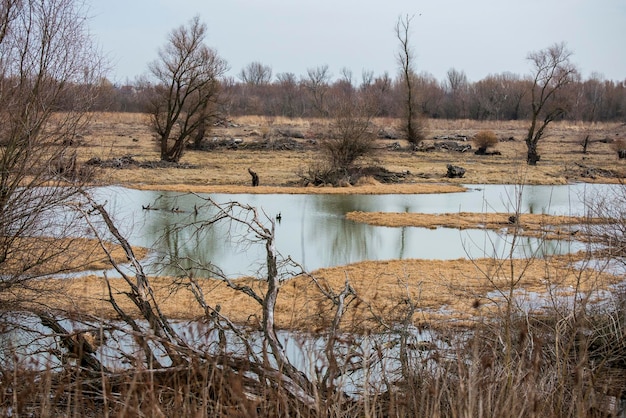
x,y
619,146
418,130
485,139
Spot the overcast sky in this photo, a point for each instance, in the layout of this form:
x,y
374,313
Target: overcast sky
x,y
479,37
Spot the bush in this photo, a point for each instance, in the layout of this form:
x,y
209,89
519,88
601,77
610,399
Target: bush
x,y
620,148
485,139
416,132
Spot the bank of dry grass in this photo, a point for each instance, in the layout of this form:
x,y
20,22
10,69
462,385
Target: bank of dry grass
x,y
445,292
46,254
416,188
528,224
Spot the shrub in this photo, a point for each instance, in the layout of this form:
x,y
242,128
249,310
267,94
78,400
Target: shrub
x,y
416,132
620,148
485,139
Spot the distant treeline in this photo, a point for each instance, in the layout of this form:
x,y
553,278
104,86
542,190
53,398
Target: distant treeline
x,y
503,96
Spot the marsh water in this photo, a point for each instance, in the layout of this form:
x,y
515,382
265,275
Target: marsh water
x,y
314,232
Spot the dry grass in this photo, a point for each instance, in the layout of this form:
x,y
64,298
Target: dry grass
x,y
115,134
529,225
66,255
454,291
416,188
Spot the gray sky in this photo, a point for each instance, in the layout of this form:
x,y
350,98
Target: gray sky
x,y
479,37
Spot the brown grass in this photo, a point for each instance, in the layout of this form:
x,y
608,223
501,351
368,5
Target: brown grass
x,y
67,255
532,225
115,134
452,290
417,188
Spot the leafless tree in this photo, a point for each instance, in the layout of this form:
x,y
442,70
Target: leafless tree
x,y
552,72
317,84
589,100
349,140
498,97
367,79
406,60
187,88
380,94
346,75
290,102
48,72
456,87
256,74
431,95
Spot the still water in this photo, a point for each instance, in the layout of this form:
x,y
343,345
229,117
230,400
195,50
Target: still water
x,y
313,230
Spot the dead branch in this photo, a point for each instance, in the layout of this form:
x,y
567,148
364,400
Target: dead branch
x,y
76,344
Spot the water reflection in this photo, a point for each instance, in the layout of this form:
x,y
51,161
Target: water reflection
x,y
33,347
314,232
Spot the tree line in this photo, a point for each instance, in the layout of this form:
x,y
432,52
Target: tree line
x,y
504,96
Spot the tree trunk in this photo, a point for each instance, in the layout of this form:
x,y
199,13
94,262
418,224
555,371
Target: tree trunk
x,y
174,153
255,178
75,343
199,136
532,156
585,144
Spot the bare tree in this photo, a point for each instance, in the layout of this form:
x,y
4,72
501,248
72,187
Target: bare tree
x,y
590,97
256,74
347,76
431,95
504,93
187,89
406,60
367,79
379,93
317,84
48,75
552,72
290,101
456,87
159,342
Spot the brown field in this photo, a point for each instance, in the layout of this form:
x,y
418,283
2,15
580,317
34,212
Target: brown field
x,y
454,292
114,135
449,289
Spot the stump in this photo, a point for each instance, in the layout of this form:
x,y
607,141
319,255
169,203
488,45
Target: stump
x,y
455,171
255,178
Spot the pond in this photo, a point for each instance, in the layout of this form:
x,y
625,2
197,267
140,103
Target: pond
x,y
313,230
